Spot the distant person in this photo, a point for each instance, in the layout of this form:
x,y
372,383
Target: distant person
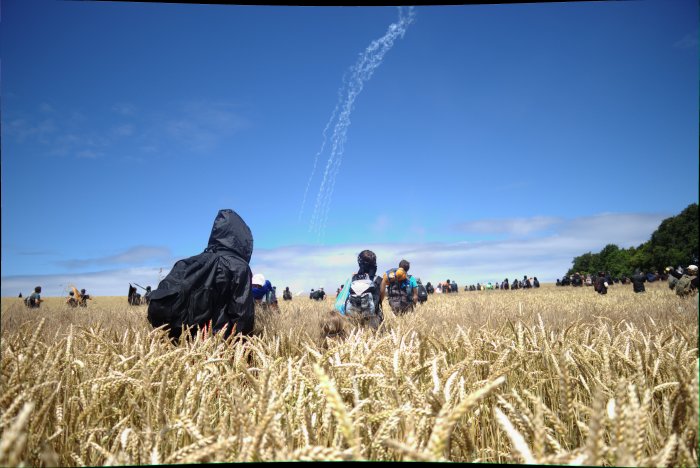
x,y
558,282
312,294
362,296
688,282
287,294
428,287
672,279
535,283
577,281
71,300
638,280
20,295
453,287
318,295
147,296
402,289
505,285
133,297
34,300
262,290
84,297
566,281
601,285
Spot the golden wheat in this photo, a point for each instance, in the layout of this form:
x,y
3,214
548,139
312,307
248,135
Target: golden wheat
x,y
552,376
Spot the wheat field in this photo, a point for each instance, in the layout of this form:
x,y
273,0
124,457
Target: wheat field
x,y
550,376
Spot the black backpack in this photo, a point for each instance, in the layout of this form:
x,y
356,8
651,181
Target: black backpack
x,y
399,297
422,293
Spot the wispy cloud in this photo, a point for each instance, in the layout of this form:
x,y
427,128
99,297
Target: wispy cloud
x,y
512,226
202,125
134,256
689,41
124,108
381,224
193,125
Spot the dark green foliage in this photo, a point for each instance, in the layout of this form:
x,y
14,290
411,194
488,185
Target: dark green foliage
x,y
675,242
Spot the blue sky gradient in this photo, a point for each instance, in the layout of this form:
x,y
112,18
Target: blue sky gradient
x,y
492,141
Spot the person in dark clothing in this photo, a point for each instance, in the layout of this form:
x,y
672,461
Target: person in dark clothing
x,y
34,300
535,283
577,280
601,284
20,295
287,294
638,280
226,291
429,288
133,297
147,296
526,282
84,297
691,271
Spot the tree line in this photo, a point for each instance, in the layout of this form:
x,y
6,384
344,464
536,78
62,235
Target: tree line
x,y
675,242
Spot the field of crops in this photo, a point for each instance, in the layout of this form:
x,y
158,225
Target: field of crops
x,y
552,376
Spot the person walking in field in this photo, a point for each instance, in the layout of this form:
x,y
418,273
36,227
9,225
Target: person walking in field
x,y
361,298
638,280
287,294
601,284
402,288
84,297
34,301
687,283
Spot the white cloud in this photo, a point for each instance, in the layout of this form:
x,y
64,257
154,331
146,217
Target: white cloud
x,y
513,226
304,267
135,255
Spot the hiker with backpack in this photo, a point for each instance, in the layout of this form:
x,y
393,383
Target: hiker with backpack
x,y
287,294
34,300
213,287
687,283
429,288
402,289
361,297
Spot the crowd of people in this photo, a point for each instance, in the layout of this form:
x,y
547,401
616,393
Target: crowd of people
x,y
216,289
686,277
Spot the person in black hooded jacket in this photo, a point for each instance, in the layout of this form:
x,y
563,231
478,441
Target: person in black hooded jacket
x,y
212,287
638,280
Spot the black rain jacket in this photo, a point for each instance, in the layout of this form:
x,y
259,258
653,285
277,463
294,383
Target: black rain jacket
x,y
212,286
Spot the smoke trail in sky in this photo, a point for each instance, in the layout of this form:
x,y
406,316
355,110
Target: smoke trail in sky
x,y
360,73
323,144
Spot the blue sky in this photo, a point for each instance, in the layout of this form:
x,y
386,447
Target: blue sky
x,y
490,141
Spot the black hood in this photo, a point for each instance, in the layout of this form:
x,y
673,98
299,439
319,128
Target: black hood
x,y
231,233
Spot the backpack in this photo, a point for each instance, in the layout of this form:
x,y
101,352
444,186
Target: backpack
x,y
363,296
399,293
422,293
683,286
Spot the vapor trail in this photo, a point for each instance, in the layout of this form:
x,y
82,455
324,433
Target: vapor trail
x,y
360,73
